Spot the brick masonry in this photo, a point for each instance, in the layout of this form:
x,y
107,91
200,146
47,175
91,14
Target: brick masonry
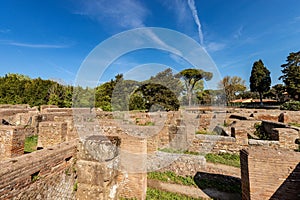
x,y
44,174
270,174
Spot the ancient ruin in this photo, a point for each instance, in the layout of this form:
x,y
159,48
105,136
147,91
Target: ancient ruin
x,y
83,153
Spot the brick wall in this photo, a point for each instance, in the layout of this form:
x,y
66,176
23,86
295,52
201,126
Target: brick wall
x,y
51,133
43,174
270,174
12,140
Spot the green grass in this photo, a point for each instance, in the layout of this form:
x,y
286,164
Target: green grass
x,y
169,150
224,158
205,132
154,194
171,177
294,124
30,144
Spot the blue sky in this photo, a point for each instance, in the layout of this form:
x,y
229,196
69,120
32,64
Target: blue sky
x,y
52,38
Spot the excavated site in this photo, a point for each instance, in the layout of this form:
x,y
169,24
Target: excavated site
x,y
84,153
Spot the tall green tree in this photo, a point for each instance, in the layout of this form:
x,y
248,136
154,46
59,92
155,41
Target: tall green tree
x,y
157,97
291,75
167,79
190,78
232,86
260,79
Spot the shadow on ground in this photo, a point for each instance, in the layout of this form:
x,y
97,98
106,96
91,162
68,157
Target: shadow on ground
x,y
218,186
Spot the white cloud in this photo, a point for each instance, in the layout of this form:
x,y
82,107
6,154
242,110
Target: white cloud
x,y
238,33
42,46
194,11
124,13
5,30
214,46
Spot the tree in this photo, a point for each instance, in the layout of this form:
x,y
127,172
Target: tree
x,y
291,75
191,77
167,79
260,79
276,92
157,97
232,86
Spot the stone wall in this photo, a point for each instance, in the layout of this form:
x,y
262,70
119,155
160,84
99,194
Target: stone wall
x,y
270,174
97,168
189,165
214,143
44,174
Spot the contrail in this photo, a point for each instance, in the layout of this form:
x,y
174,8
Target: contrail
x,y
193,9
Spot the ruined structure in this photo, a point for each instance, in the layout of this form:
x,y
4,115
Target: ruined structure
x,y
90,154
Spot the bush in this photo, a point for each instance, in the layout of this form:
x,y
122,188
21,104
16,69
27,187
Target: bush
x,y
291,105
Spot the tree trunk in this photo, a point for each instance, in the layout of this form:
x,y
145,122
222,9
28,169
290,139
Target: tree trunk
x,y
260,98
190,98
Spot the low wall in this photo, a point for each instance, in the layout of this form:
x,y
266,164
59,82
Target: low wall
x,y
270,174
214,143
44,174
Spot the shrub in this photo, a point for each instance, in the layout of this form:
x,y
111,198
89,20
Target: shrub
x,y
291,105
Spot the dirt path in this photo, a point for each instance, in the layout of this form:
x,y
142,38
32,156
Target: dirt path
x,y
192,191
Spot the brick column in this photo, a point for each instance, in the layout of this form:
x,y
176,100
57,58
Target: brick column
x,y
12,140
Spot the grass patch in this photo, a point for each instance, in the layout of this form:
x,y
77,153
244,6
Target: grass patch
x,y
168,150
205,132
154,194
171,177
294,124
30,144
203,183
224,158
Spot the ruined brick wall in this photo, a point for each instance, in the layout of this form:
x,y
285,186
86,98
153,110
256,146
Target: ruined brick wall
x,y
43,174
97,168
270,174
287,138
51,133
290,117
12,140
214,143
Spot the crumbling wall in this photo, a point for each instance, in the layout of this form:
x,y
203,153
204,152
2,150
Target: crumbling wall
x,y
97,168
43,174
51,133
270,174
12,140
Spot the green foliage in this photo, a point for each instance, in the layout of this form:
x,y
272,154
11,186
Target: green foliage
x,y
232,86
260,79
191,77
291,75
276,92
154,194
171,177
224,158
30,143
205,132
291,105
158,97
20,89
294,124
169,150
75,186
260,133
